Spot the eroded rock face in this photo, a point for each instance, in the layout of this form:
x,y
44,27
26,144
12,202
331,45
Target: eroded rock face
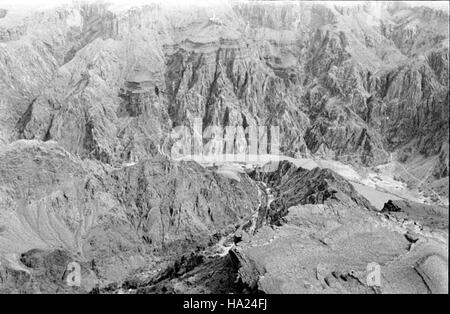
x,y
430,216
337,88
89,94
293,185
329,249
45,272
321,236
115,219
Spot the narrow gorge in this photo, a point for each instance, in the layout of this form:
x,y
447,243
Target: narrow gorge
x,y
96,98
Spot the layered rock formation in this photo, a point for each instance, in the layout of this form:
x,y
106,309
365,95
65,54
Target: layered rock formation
x,y
347,84
90,93
326,238
328,248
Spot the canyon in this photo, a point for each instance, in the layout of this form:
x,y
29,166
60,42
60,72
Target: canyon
x,y
92,98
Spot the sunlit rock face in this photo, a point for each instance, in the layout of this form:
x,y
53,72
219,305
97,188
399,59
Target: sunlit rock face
x,y
89,95
351,83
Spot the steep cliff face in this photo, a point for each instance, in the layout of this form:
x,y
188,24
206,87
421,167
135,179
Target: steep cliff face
x,y
89,95
293,185
344,83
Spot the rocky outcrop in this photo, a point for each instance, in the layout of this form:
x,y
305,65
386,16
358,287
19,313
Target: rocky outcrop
x,y
89,95
337,248
96,22
323,237
11,33
416,29
298,66
441,168
43,271
430,216
293,186
115,219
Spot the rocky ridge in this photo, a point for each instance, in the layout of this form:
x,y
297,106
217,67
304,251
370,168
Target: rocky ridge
x,y
88,96
116,220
